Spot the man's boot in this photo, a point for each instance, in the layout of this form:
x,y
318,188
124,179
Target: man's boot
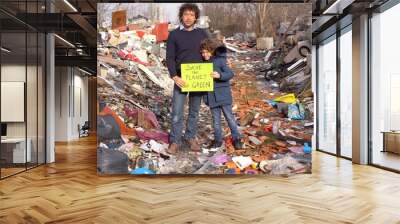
x,y
216,144
173,148
237,144
194,145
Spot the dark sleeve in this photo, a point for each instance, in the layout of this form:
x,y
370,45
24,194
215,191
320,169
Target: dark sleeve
x,y
171,54
226,73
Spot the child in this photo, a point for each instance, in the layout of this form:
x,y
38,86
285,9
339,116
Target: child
x,y
220,100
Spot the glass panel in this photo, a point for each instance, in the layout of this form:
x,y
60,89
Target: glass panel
x,y
346,94
327,96
13,80
385,84
31,85
23,82
31,97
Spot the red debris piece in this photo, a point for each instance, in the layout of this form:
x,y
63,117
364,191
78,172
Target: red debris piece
x,y
268,128
161,31
129,56
140,33
153,135
124,129
144,118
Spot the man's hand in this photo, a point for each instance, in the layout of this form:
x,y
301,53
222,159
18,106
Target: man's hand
x,y
178,81
215,75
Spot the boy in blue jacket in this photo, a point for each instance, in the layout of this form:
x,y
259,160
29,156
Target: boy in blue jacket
x,y
220,100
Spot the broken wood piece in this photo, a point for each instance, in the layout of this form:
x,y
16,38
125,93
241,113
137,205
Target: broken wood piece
x,y
233,48
247,119
113,62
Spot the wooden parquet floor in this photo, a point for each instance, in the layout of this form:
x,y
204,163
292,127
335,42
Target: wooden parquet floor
x,y
70,191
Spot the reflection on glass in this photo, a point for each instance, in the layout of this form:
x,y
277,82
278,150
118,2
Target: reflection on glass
x,y
385,86
327,96
346,94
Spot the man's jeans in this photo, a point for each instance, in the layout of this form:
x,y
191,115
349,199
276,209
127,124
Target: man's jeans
x,y
178,105
229,117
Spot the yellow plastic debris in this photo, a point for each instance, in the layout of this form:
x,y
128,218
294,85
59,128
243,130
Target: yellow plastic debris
x,y
288,98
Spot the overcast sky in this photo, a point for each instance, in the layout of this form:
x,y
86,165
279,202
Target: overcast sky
x,y
171,10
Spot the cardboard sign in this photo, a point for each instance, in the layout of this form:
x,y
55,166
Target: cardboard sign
x,y
118,19
197,77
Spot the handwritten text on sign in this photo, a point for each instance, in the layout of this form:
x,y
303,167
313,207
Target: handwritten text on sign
x,y
197,77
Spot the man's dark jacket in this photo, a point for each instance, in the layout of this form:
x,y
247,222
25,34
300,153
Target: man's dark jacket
x,y
184,47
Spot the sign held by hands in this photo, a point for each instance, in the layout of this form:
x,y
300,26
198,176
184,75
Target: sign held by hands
x,y
197,77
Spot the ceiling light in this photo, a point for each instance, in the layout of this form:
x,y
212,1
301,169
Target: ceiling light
x,y
338,6
64,40
5,50
70,5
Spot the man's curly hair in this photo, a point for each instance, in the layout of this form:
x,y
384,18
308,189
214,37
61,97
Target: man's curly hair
x,y
189,7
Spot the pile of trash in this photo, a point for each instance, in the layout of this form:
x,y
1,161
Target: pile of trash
x,y
134,91
273,99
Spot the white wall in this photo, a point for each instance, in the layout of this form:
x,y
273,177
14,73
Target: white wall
x,y
61,104
71,94
81,102
12,73
33,127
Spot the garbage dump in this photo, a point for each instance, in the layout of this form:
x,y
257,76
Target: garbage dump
x,y
273,104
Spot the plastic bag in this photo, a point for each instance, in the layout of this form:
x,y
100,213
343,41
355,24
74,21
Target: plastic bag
x,y
296,111
288,98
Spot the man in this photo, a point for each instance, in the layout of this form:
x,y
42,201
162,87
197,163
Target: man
x,y
183,46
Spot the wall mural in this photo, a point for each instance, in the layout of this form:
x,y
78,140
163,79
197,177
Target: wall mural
x,y
204,88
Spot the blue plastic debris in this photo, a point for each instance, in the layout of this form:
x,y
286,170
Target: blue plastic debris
x,y
306,148
296,111
272,103
142,171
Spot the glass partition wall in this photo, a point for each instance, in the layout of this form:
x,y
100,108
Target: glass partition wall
x,y
345,62
22,76
326,99
385,89
334,94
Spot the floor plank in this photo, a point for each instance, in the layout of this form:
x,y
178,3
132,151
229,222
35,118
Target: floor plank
x,y
70,191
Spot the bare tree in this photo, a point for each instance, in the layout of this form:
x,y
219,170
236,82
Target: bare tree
x,y
262,18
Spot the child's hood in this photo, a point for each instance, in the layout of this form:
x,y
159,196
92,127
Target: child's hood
x,y
221,51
